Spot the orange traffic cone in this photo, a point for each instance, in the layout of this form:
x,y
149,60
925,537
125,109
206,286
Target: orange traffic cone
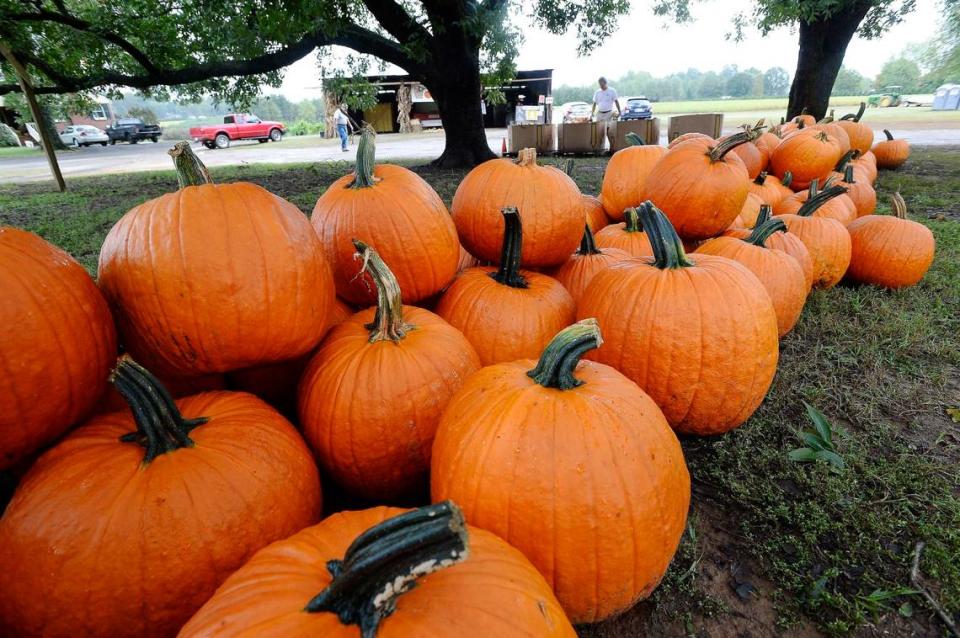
x,y
503,147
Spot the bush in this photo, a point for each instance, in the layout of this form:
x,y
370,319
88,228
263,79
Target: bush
x,y
175,133
8,137
302,127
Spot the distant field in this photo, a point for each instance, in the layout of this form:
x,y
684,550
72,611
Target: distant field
x,y
733,106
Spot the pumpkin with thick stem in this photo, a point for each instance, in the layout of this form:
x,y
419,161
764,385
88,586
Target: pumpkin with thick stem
x,y
783,241
861,135
385,573
680,139
627,236
753,158
891,153
770,188
808,154
625,176
215,277
768,141
837,206
371,397
860,192
830,127
698,333
890,250
505,312
750,211
589,259
528,448
700,186
57,343
149,523
548,200
827,239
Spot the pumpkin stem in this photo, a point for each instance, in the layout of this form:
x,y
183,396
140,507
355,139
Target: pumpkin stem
x,y
561,356
388,321
527,157
366,159
899,205
766,211
888,134
812,204
728,144
568,168
848,174
667,248
633,139
814,188
863,107
631,219
190,170
787,179
760,179
845,159
508,273
588,246
385,562
761,232
160,426
826,120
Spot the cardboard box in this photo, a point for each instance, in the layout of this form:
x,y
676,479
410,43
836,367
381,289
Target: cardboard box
x,y
580,137
538,136
647,130
708,123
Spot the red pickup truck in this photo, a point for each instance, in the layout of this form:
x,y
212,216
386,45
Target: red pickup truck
x,y
238,126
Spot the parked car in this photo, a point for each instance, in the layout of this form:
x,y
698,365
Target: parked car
x,y
238,126
637,108
83,135
576,112
132,130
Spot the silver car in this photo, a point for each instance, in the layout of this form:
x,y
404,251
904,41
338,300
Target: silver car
x,y
78,135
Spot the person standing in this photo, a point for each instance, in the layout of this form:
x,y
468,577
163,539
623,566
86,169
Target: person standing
x,y
343,123
604,99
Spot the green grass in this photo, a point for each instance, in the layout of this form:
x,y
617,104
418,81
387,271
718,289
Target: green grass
x,y
749,104
883,366
20,151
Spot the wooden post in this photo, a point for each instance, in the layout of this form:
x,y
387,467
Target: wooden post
x,y
28,93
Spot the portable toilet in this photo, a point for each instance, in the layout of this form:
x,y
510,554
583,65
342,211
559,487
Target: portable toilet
x,y
947,97
953,98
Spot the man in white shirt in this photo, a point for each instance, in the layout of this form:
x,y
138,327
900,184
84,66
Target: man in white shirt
x,y
604,99
343,122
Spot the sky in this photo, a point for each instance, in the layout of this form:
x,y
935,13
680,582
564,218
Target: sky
x,y
645,42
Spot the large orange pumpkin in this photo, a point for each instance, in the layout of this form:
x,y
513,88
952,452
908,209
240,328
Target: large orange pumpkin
x,y
119,533
697,333
861,135
574,465
827,239
700,186
505,312
891,153
783,241
890,250
626,175
387,573
548,200
371,397
577,272
627,236
214,278
808,154
770,188
57,343
680,139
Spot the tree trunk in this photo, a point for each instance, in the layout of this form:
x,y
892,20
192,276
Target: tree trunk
x,y
822,46
46,121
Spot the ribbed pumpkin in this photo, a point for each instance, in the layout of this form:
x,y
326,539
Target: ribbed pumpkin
x,y
751,208
595,215
869,163
214,278
860,192
574,465
627,236
577,272
626,176
891,153
808,154
754,159
680,139
770,188
548,200
827,239
768,140
890,250
177,387
466,260
861,169
783,241
861,135
700,186
804,119
57,342
387,573
505,312
780,273
698,333
106,538
371,397
834,130
837,206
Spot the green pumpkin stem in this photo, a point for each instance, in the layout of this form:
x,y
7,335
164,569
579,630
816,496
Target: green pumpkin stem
x,y
760,179
385,562
813,189
848,174
588,245
667,248
787,179
160,426
631,221
856,116
388,321
888,134
812,204
766,211
366,159
561,356
508,273
762,231
568,167
190,170
633,139
728,144
845,159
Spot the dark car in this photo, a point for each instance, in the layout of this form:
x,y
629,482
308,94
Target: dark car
x,y
637,108
132,129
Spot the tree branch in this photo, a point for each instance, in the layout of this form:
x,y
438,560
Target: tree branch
x,y
395,19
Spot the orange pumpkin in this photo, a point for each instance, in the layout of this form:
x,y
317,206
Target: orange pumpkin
x,y
698,333
808,154
890,250
371,397
466,260
770,189
751,208
753,158
804,119
147,524
505,312
783,241
214,278
861,135
680,139
838,206
627,236
549,202
891,153
626,175
768,141
868,161
388,573
178,387
700,186
57,343
827,239
860,192
836,131
528,448
585,263
595,215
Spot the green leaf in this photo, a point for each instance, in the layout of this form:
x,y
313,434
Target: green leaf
x,y
802,455
954,414
830,457
820,423
906,609
814,441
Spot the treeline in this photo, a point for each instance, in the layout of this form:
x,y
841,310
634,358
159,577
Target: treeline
x,y
272,107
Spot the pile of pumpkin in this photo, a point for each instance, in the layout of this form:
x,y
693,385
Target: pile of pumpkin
x,y
538,395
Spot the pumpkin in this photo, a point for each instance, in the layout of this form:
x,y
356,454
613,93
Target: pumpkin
x,y
861,135
891,153
466,260
751,208
770,189
831,128
869,162
57,342
119,533
627,236
388,573
214,278
754,159
574,465
780,273
548,200
700,186
860,192
838,206
804,119
680,139
783,241
697,333
768,140
808,154
890,250
371,397
178,387
626,175
577,272
505,312
827,239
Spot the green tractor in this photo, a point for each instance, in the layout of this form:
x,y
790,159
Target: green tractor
x,y
889,96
